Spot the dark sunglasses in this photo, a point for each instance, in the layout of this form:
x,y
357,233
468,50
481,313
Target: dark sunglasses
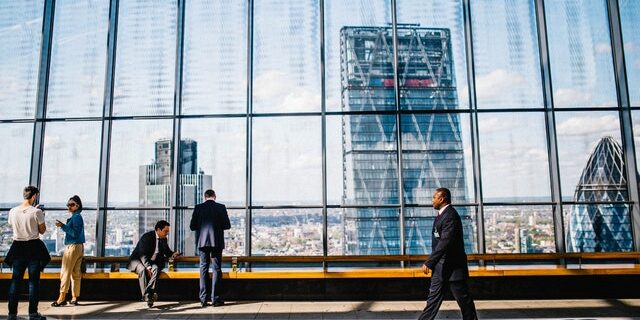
x,y
71,205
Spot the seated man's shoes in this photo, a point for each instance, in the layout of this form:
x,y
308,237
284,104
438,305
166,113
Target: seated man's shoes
x,y
218,303
149,299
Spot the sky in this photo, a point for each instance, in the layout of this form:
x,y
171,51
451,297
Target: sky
x,y
287,163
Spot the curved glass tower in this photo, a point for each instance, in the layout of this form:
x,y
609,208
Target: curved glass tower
x,y
601,227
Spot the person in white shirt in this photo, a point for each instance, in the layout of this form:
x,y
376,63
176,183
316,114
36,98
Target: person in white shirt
x,y
27,251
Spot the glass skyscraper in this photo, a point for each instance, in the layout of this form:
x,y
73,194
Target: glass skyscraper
x,y
601,227
432,151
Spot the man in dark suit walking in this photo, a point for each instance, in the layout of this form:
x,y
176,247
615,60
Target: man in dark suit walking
x,y
209,221
447,262
147,259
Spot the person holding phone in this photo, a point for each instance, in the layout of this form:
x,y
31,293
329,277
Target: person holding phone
x,y
73,253
27,251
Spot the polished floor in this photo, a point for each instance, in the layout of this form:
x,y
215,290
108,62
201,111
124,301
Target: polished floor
x,y
503,309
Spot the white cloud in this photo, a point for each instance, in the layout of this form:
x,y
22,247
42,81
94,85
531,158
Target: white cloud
x,y
603,48
494,125
636,64
630,47
578,126
280,93
493,86
571,97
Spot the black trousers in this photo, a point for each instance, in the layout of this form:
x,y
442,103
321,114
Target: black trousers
x,y
460,292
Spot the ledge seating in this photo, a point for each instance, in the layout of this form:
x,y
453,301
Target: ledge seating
x,y
481,265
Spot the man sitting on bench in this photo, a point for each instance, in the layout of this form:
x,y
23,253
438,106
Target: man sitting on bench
x,y
147,259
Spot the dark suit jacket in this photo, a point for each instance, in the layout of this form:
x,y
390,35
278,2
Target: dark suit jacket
x,y
447,257
209,221
147,246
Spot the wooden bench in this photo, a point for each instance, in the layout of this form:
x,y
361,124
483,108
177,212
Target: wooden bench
x,y
515,266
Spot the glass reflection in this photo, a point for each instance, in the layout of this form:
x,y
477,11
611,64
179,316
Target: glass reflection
x,y
286,58
353,13
580,53
215,57
286,232
213,148
20,36
287,161
519,229
630,21
146,58
140,163
431,55
76,80
515,162
70,163
15,165
506,59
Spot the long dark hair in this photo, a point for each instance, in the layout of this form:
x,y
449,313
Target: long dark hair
x,y
77,200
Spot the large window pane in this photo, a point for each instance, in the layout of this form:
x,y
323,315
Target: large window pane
x,y
598,227
78,56
431,54
233,238
436,152
580,53
54,237
362,165
519,229
506,59
514,157
352,13
590,153
70,164
286,56
630,20
140,163
14,176
363,231
146,57
419,223
213,155
286,232
287,161
215,57
20,36
125,227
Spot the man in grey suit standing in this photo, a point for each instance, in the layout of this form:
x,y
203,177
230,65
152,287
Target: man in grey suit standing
x,y
209,221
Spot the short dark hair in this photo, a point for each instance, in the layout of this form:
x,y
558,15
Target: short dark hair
x,y
446,194
77,200
30,191
161,224
209,193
